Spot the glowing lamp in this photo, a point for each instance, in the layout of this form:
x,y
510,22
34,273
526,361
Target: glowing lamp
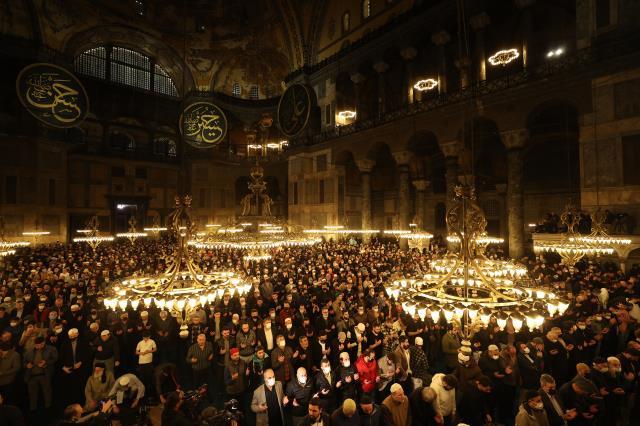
x,y
503,57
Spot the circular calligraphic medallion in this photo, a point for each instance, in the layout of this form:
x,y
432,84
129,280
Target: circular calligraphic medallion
x,y
52,94
203,124
294,109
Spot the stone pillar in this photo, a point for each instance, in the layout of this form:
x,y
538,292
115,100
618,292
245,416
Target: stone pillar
x,y
440,39
365,167
479,22
526,27
463,68
450,151
357,79
381,68
408,54
402,161
514,140
421,188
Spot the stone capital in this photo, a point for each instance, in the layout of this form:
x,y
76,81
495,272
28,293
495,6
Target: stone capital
x,y
380,67
365,165
440,38
409,53
479,21
421,184
358,78
450,149
402,157
514,139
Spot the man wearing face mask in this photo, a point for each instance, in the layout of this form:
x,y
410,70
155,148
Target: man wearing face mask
x,y
348,378
267,335
298,394
529,367
554,407
267,401
324,385
281,360
74,356
532,412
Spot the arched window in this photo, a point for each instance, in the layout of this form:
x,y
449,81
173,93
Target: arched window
x,y
121,140
346,22
235,90
366,9
172,148
125,66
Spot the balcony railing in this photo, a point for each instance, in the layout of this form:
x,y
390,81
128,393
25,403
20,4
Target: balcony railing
x,y
569,65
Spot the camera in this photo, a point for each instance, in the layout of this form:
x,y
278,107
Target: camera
x,y
230,415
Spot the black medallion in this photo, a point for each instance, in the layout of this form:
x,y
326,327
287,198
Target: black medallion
x,y
294,109
203,124
52,94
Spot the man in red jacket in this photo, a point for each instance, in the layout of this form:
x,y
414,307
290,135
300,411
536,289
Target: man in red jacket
x,y
367,368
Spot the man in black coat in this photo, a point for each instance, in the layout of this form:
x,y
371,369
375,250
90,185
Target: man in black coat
x,y
422,411
556,413
474,406
74,360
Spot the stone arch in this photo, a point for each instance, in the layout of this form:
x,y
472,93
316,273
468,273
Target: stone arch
x,y
349,188
134,39
551,154
428,161
345,92
483,153
384,186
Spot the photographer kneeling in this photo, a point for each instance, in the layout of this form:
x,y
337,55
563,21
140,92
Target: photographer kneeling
x,y
172,414
127,392
73,415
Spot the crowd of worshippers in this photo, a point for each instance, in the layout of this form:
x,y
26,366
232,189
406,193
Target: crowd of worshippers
x,y
316,341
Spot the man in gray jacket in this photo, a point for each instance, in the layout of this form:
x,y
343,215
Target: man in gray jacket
x,y
9,367
39,363
267,401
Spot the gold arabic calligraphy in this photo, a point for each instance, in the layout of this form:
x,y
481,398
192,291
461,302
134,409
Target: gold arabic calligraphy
x,y
203,123
295,120
48,91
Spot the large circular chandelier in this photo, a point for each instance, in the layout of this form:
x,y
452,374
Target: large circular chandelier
x,y
183,286
257,231
467,286
573,246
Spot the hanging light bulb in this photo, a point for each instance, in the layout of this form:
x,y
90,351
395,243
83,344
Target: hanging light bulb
x,y
502,320
435,313
123,304
180,304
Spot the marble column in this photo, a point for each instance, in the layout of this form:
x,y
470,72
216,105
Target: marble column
x,y
358,80
479,22
440,39
408,54
525,27
514,140
365,167
402,161
381,68
421,189
463,65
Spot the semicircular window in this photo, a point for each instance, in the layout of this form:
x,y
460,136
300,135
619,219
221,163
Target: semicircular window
x,y
125,66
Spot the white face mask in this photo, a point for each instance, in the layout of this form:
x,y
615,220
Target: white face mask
x,y
495,356
526,350
271,381
302,380
288,326
538,406
281,344
326,370
582,327
346,363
